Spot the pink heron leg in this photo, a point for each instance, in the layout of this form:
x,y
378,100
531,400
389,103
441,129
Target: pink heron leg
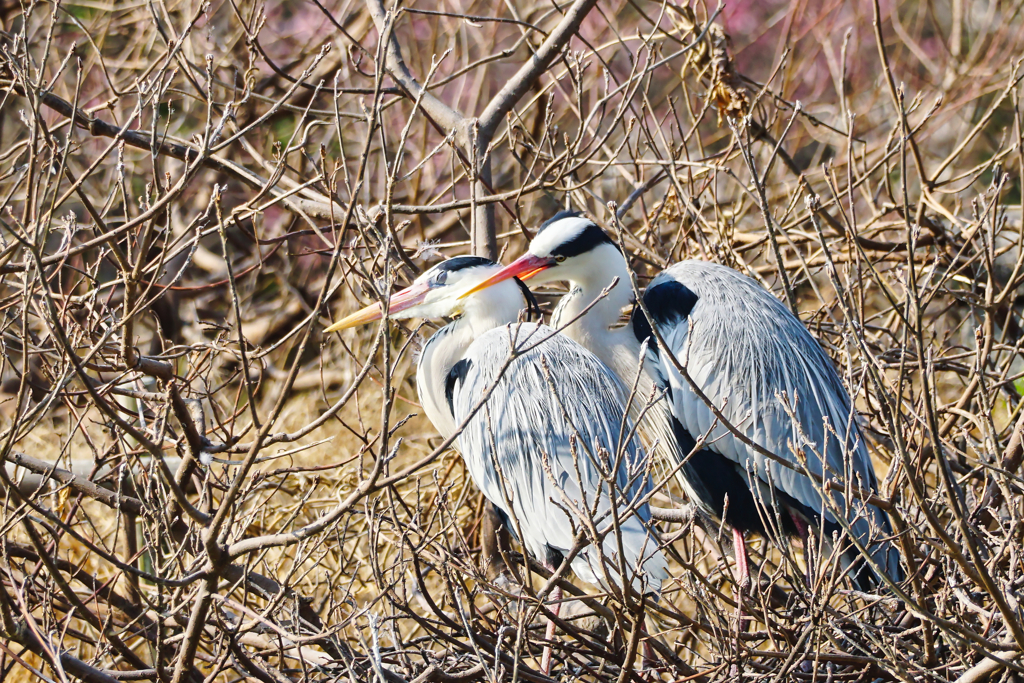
x,y
549,632
649,662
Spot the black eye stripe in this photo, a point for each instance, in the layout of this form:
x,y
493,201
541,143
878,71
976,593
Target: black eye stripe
x,y
589,238
461,262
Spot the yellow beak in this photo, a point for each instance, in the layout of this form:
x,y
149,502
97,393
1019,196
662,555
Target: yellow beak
x,y
524,267
407,298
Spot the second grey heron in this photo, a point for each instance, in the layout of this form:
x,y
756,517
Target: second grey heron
x,y
551,447
745,351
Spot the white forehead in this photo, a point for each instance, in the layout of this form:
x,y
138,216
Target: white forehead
x,y
558,233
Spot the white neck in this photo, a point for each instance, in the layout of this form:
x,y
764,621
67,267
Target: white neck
x,y
618,348
597,329
593,329
440,353
492,307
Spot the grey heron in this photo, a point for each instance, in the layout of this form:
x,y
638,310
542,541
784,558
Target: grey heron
x,y
744,350
551,447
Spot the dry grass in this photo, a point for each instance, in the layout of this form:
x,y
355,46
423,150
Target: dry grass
x,y
169,262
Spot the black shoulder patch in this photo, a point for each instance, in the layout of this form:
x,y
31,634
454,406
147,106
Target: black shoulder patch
x,y
565,213
460,262
456,374
668,302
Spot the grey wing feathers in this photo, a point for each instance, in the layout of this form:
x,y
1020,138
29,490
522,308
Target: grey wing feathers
x,y
524,422
747,351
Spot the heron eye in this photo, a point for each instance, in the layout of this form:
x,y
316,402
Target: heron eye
x,y
559,258
441,278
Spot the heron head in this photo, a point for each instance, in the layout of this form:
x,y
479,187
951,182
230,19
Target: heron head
x,y
568,247
440,293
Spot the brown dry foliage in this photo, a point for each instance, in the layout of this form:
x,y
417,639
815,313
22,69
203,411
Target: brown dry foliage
x,y
189,190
